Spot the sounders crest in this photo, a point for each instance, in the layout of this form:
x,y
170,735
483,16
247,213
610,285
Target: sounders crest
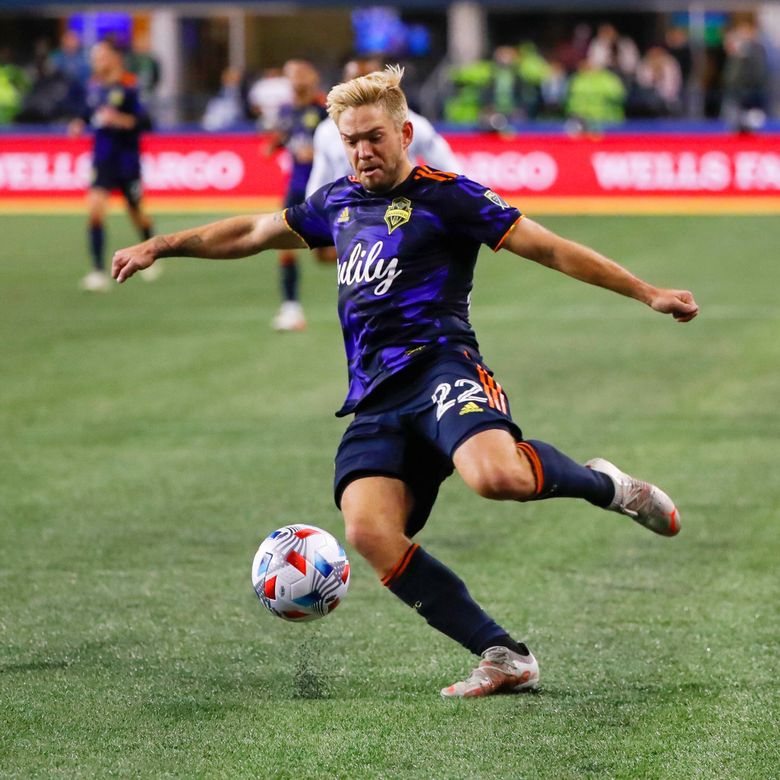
x,y
398,213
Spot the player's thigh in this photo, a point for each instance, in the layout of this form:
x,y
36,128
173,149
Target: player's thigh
x,y
467,417
132,191
381,445
375,512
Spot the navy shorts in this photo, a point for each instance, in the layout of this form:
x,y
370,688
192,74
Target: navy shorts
x,y
412,431
106,178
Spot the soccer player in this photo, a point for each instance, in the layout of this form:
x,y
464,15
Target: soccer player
x,y
117,118
295,130
424,401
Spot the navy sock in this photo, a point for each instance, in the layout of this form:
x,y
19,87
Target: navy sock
x,y
96,236
146,233
289,270
441,597
558,476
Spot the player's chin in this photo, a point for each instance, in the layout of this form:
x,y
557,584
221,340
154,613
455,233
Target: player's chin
x,y
373,179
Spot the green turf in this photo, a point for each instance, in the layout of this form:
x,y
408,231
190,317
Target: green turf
x,y
151,437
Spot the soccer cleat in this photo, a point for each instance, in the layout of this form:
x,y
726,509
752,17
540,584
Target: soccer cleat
x,y
501,670
289,317
95,281
641,501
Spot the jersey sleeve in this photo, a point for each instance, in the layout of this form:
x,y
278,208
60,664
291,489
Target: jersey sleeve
x,y
476,212
309,220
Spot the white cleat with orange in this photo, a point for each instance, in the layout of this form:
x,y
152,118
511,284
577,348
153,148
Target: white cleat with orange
x,y
647,504
501,670
289,317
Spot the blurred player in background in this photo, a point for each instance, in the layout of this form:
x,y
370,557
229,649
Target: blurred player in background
x,y
330,162
294,130
116,116
424,402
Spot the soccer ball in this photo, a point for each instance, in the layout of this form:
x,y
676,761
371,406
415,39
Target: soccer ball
x,y
300,572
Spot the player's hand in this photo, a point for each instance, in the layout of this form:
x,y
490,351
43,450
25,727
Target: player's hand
x,y
679,303
127,261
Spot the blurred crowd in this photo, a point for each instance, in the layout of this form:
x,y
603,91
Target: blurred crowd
x,y
601,77
594,77
53,86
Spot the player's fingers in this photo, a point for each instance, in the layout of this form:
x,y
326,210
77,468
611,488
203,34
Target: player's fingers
x,y
118,262
685,312
126,271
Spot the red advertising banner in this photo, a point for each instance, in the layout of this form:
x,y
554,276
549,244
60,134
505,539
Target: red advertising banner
x,y
234,166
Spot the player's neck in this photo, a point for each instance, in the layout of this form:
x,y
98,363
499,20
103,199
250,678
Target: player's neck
x,y
404,172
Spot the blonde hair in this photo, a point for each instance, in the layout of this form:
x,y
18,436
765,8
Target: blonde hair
x,y
382,88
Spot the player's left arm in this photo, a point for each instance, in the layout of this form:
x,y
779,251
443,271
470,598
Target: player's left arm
x,y
529,239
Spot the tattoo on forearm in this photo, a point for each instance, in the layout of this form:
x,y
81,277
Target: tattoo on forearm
x,y
162,248
191,246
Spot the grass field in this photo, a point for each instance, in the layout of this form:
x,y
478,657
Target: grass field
x,y
151,437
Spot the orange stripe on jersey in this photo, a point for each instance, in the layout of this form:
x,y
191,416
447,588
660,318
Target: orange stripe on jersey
x,y
506,235
433,177
292,230
536,464
436,172
400,566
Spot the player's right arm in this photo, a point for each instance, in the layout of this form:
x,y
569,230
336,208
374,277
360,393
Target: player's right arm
x,y
229,238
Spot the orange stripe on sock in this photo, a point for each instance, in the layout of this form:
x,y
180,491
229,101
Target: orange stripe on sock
x,y
400,566
536,464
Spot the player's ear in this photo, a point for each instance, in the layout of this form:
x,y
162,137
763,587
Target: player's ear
x,y
407,133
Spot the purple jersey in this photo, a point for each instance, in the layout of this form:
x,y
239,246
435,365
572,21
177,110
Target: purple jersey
x,y
297,124
114,147
406,266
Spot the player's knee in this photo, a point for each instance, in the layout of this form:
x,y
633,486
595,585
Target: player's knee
x,y
510,482
365,537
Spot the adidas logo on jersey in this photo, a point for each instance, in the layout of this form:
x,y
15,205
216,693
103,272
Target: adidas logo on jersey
x,y
343,216
470,407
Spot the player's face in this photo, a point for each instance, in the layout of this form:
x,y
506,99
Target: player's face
x,y
104,60
376,146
